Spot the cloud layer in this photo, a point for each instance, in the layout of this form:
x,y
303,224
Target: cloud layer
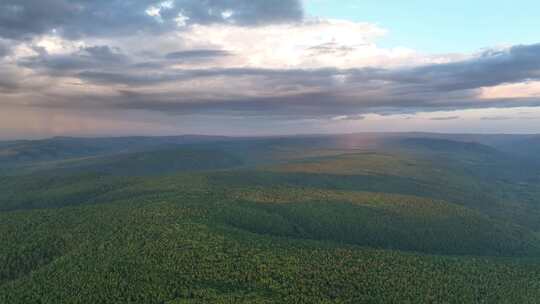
x,y
162,85
239,58
76,18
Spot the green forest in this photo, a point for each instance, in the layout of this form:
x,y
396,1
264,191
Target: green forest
x,y
365,218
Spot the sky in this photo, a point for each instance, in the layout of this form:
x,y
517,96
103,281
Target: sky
x,y
444,27
263,67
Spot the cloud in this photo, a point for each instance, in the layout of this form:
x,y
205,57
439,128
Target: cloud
x,y
249,59
303,77
493,67
120,81
11,80
452,85
311,43
91,57
5,48
81,18
238,57
512,90
198,54
348,117
444,118
497,118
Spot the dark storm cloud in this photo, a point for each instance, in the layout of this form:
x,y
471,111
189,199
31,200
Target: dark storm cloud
x,y
76,18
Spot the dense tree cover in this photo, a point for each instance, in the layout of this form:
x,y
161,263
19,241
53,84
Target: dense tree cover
x,y
339,226
171,252
378,220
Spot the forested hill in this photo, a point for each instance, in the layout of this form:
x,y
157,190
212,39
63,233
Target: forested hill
x,y
360,218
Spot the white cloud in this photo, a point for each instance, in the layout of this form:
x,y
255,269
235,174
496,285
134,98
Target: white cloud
x,y
155,10
309,44
348,117
226,14
55,44
181,20
514,90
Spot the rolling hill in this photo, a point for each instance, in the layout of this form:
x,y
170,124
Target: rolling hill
x,y
359,218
